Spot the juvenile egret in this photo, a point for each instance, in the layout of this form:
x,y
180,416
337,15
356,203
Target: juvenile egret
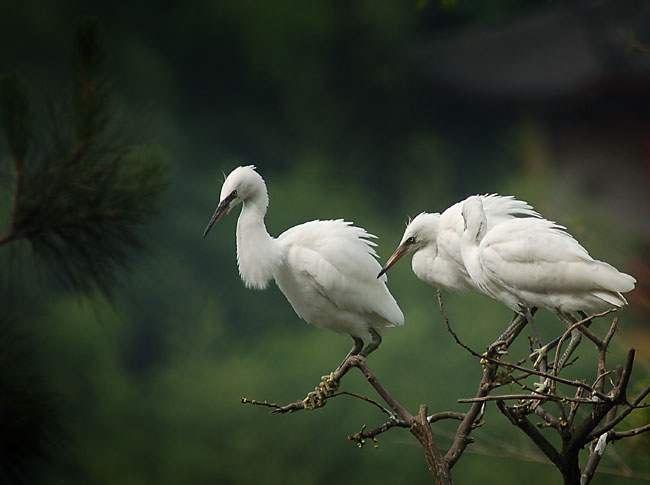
x,y
435,239
534,262
326,269
526,262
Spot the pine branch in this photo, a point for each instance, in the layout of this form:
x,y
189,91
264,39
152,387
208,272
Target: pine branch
x,y
88,188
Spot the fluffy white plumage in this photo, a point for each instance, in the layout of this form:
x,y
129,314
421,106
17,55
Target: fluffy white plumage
x,y
435,239
534,262
326,269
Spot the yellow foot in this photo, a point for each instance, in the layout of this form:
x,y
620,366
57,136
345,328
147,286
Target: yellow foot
x,y
314,399
318,397
539,355
542,387
329,385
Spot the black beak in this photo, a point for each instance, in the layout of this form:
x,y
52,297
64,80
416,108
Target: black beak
x,y
222,209
401,250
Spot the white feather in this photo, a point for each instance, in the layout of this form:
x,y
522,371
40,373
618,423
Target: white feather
x,y
535,262
326,269
437,259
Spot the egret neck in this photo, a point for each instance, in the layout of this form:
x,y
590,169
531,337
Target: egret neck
x,y
475,220
258,254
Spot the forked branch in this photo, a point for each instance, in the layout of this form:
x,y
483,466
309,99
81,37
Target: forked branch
x,y
604,397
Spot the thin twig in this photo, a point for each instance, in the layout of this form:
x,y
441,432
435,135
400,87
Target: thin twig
x,y
519,368
360,437
574,406
253,402
299,405
582,433
617,435
527,397
629,408
548,417
610,333
432,418
366,399
360,363
533,433
468,423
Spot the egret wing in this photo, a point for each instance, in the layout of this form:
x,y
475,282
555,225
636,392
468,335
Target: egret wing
x,y
538,255
498,209
340,261
501,208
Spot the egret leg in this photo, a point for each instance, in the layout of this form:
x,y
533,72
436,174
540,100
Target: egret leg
x,y
511,326
539,353
531,322
374,343
553,343
328,385
356,348
540,361
576,337
518,322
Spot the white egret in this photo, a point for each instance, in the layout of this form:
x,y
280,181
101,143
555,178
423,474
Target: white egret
x,y
327,269
435,239
532,262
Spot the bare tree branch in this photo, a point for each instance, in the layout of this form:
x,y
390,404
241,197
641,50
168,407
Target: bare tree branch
x,y
629,408
489,372
522,397
360,437
518,367
617,435
445,415
438,465
366,399
533,433
602,398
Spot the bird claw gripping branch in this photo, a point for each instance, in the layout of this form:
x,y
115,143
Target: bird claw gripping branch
x,y
317,398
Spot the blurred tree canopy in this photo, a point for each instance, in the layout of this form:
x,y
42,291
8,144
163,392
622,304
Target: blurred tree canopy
x,y
79,193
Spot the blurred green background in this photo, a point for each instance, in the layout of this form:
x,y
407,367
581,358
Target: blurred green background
x,y
366,111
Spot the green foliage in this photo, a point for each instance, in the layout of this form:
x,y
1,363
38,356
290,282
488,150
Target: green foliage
x,y
87,188
81,191
14,110
27,407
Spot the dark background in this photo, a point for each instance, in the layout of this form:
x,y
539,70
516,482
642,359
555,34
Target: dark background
x,y
366,111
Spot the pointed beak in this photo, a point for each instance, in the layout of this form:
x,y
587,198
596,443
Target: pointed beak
x,y
222,209
401,250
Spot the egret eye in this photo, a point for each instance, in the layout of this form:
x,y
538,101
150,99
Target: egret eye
x,y
410,240
233,193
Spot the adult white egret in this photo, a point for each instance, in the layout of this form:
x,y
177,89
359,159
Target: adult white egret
x,y
533,262
435,239
326,269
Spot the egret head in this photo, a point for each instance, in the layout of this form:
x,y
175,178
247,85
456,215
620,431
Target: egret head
x,y
242,185
474,219
420,232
